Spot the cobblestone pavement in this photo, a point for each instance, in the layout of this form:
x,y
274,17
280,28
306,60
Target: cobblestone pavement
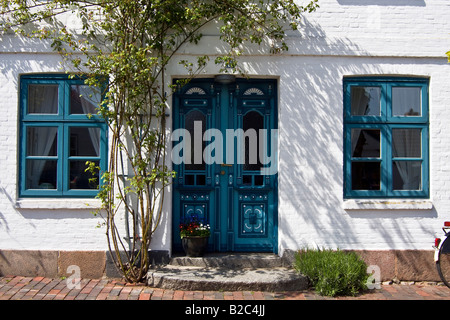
x,y
40,288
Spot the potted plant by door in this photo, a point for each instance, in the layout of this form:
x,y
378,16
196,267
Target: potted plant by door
x,y
194,235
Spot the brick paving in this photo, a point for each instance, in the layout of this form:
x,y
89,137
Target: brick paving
x,y
40,288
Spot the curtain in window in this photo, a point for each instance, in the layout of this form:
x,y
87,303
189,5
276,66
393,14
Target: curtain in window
x,y
43,99
359,105
89,102
406,101
407,144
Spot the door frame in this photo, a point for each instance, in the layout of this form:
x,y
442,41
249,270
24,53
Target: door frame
x,y
206,197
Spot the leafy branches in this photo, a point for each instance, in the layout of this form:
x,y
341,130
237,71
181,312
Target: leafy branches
x,y
128,45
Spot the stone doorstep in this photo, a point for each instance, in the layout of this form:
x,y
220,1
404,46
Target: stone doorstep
x,y
232,261
231,272
207,279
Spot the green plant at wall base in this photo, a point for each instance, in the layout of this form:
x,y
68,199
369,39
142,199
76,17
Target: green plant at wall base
x,y
332,272
126,46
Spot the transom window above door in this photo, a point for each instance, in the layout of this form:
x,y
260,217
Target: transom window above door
x,y
60,131
386,137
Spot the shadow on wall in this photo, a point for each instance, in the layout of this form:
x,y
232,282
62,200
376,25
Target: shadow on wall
x,y
311,151
410,3
12,67
311,143
22,224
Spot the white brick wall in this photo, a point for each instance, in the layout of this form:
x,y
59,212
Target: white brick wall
x,y
311,205
35,224
344,37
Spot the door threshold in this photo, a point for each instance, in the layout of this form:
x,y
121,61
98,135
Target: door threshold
x,y
232,260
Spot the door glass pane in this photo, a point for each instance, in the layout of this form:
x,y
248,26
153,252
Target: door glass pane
x,y
366,175
247,180
42,141
191,118
365,101
84,141
79,178
407,175
259,180
406,143
252,122
406,101
201,180
43,98
366,143
84,99
41,174
189,179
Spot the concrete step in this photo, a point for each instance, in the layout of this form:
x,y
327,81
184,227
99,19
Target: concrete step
x,y
227,272
232,261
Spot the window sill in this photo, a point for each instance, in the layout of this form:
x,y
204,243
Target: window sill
x,y
57,204
389,204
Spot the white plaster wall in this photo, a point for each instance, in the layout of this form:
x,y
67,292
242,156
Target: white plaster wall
x,y
35,224
311,208
344,37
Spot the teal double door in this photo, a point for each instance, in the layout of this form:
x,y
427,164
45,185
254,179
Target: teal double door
x,y
225,156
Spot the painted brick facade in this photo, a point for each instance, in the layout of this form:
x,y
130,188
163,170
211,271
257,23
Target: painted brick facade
x,y
343,38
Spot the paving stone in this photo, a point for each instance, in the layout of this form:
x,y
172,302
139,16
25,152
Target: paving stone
x,y
21,288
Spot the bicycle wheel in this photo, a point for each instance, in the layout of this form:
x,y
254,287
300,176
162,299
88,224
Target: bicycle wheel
x,y
443,263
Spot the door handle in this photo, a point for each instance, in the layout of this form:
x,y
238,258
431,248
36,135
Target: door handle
x,y
226,165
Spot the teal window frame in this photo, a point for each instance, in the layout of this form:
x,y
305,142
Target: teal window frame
x,y
63,121
386,122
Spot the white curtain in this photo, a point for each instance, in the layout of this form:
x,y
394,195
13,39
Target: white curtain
x,y
407,143
42,99
406,101
359,104
90,100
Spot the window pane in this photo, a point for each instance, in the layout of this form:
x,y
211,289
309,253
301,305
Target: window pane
x,y
42,141
252,121
190,119
259,180
247,180
406,102
84,141
84,99
407,175
366,175
366,143
365,101
201,180
189,179
406,143
41,174
79,178
43,98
